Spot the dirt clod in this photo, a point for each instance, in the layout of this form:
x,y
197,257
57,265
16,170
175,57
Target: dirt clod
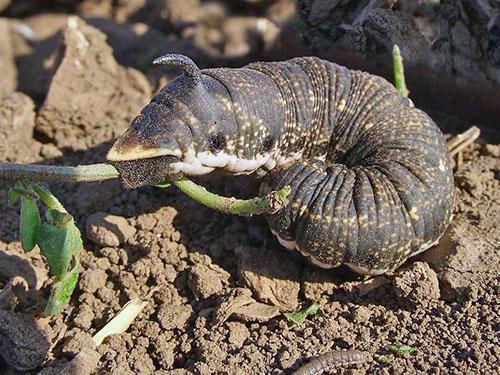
x,y
17,121
174,317
77,343
264,273
85,362
256,312
23,343
72,115
108,230
454,260
205,281
492,150
92,280
417,285
238,333
8,78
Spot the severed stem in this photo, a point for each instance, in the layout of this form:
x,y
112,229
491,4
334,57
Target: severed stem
x,y
271,203
99,172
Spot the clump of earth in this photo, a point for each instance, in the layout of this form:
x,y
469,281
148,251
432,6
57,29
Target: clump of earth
x,y
218,286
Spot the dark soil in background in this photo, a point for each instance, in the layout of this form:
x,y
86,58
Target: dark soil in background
x,y
69,86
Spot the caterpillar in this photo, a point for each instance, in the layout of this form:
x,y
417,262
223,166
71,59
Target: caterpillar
x,y
370,175
327,361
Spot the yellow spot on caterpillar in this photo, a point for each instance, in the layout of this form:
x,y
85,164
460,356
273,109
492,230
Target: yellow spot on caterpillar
x,y
341,105
442,167
413,213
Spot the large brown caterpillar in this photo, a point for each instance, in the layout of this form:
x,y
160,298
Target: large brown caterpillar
x,y
370,174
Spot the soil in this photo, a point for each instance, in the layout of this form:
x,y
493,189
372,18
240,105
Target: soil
x,y
218,285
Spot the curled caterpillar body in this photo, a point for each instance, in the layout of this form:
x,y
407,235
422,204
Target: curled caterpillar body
x,y
329,360
370,174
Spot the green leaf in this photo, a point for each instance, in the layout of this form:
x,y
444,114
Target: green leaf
x,y
30,223
58,245
48,198
13,196
62,291
298,317
401,350
58,218
16,192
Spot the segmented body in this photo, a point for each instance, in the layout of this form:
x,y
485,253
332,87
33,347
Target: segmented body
x,y
329,360
370,174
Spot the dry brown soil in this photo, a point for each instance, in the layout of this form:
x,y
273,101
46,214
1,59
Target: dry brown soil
x,y
218,284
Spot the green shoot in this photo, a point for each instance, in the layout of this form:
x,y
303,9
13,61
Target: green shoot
x,y
401,350
299,317
399,73
58,238
62,291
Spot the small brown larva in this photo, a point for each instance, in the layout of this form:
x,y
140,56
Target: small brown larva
x,y
329,360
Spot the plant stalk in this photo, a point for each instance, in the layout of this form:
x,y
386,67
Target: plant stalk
x,y
99,172
48,198
399,73
245,207
34,173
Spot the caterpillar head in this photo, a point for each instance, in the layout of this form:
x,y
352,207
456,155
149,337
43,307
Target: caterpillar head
x,y
188,117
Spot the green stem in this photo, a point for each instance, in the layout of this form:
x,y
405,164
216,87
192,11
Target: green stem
x,y
399,73
48,198
98,172
81,173
246,207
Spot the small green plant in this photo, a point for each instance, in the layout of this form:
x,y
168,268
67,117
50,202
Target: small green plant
x,y
394,350
384,359
401,350
57,237
299,316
